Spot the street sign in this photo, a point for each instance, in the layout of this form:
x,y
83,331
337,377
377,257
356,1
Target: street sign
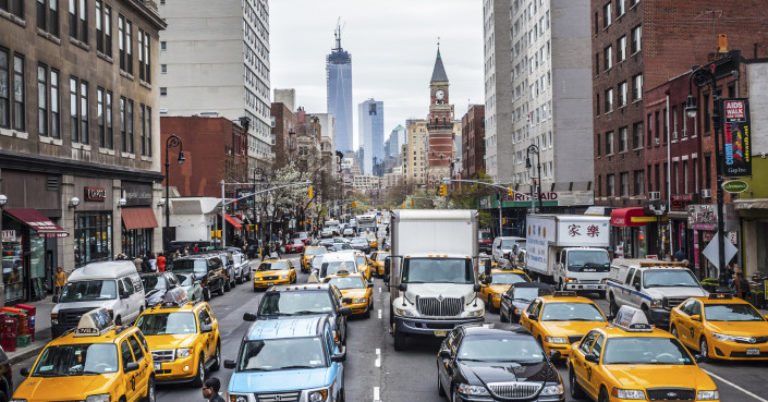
x,y
735,186
711,251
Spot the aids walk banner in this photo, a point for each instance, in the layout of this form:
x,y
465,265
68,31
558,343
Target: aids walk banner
x,y
736,133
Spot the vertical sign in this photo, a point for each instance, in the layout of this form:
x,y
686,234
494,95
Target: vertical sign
x,y
736,133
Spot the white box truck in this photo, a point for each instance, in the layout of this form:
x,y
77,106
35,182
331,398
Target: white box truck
x,y
569,250
431,273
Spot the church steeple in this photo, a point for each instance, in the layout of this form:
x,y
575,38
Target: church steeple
x,y
438,72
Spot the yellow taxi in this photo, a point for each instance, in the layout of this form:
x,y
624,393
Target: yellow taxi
x,y
309,253
377,259
498,282
273,272
364,265
184,340
721,327
96,361
560,319
373,240
356,292
630,360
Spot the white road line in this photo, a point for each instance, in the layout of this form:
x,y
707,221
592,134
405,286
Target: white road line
x,y
376,394
735,386
377,363
379,289
379,313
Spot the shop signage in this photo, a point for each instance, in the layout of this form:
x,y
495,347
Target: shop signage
x,y
735,186
8,236
95,193
736,143
137,194
704,217
548,199
679,201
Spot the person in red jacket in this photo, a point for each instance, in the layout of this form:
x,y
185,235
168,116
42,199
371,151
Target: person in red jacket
x,y
161,263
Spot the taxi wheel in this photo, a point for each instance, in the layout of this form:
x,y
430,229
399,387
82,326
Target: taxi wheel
x,y
200,375
576,391
603,395
227,285
704,348
151,395
217,358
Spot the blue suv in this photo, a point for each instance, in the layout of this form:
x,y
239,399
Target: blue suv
x,y
288,360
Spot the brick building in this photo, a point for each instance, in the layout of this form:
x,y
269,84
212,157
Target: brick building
x,y
473,142
284,133
440,126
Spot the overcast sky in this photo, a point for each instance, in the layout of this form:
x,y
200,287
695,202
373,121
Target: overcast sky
x,y
393,47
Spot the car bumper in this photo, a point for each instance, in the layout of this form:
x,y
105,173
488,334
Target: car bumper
x,y
659,317
431,327
265,284
563,348
358,308
594,287
465,398
177,371
725,350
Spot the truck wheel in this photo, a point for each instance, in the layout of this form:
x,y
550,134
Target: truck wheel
x,y
601,295
613,308
400,340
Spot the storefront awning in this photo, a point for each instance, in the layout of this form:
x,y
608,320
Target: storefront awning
x,y
623,217
138,218
37,221
234,221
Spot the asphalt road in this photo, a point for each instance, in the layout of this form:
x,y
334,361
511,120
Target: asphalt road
x,y
375,372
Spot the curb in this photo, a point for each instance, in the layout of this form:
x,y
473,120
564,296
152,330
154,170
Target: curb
x,y
26,353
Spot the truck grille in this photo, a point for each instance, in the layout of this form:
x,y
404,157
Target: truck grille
x,y
279,397
673,302
432,306
671,394
167,355
515,390
69,318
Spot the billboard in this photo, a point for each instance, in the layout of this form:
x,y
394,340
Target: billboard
x,y
737,160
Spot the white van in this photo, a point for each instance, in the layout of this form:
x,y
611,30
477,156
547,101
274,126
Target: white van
x,y
112,285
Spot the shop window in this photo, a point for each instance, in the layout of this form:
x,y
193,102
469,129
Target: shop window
x,y
93,237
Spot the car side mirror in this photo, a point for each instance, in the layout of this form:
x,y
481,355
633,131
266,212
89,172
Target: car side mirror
x,y
24,372
591,357
699,358
340,356
696,317
532,317
488,279
345,311
506,296
230,364
477,288
445,354
249,317
403,287
207,328
132,366
554,355
637,287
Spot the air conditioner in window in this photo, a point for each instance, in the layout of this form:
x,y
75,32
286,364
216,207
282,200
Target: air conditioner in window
x,y
656,141
706,193
654,196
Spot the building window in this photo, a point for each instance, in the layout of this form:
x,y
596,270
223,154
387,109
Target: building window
x,y
666,125
623,139
705,107
15,7
607,15
597,104
149,131
48,16
163,91
163,68
639,182
707,171
637,87
129,124
73,122
129,46
674,123
599,145
608,100
5,99
624,184
147,69
609,143
637,135
78,20
55,116
637,39
140,47
103,28
623,94
163,45
100,116
143,129
597,63
649,135
610,182
19,101
676,176
620,10
608,57
42,100
656,131
621,49
599,186
83,112
123,134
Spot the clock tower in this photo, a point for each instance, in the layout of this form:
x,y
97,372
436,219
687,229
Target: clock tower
x,y
440,125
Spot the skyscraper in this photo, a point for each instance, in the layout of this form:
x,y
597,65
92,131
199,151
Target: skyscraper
x,y
338,67
371,131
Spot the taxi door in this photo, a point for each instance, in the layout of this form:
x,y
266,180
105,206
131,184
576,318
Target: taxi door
x,y
531,324
140,376
595,374
683,324
694,327
209,344
579,364
129,378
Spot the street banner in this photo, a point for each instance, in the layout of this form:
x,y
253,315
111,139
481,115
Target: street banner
x,y
737,159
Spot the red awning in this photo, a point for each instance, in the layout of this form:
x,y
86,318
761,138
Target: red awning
x,y
138,218
39,222
234,221
630,217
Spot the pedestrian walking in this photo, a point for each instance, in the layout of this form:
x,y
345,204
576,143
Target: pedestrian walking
x,y
145,265
152,262
161,261
61,280
211,389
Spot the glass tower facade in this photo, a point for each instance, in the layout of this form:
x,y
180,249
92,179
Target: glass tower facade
x,y
338,68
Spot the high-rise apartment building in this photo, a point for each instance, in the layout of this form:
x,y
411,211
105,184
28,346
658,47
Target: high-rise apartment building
x,y
338,70
370,116
214,61
415,160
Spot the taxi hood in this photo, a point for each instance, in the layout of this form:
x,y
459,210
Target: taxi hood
x,y
444,290
739,328
280,380
642,376
353,292
499,288
170,341
570,328
73,388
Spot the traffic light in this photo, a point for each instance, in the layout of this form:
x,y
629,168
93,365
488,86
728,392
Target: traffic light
x,y
444,190
412,202
510,192
310,192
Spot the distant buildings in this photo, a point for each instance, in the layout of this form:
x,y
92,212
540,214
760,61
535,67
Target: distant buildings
x,y
473,142
440,126
371,133
339,90
415,155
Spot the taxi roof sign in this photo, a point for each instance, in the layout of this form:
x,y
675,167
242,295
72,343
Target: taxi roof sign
x,y
94,323
720,296
565,293
632,319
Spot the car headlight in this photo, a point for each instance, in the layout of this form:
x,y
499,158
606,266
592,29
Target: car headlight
x,y
404,312
724,337
707,395
552,389
98,398
318,396
54,319
475,313
283,276
657,303
628,393
359,300
467,389
18,400
238,398
183,352
556,339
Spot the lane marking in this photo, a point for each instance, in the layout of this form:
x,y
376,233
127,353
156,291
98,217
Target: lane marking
x,y
376,394
377,363
379,289
735,386
379,313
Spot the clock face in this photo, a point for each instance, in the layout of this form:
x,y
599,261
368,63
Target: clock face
x,y
440,94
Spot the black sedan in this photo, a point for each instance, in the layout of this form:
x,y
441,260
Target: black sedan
x,y
156,285
480,363
518,297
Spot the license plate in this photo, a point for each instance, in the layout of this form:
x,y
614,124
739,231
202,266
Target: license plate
x,y
590,286
157,366
270,283
440,333
753,352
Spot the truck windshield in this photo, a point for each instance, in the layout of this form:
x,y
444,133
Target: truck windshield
x,y
588,261
669,278
88,290
438,270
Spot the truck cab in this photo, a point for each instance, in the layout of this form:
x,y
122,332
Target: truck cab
x,y
582,269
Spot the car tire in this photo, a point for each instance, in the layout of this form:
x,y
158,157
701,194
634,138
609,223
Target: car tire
x,y
400,340
576,391
221,288
341,395
151,391
601,295
217,358
454,395
613,308
227,285
502,316
603,397
119,321
704,349
206,294
200,373
440,390
3,397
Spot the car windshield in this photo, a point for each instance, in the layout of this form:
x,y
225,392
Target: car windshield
x,y
273,266
507,279
668,278
315,251
88,290
348,282
500,349
298,242
589,261
197,265
509,243
645,350
438,270
185,279
77,360
731,312
484,235
525,294
332,267
360,260
381,256
571,312
167,323
296,303
154,282
282,354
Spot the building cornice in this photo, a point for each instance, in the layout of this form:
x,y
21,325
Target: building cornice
x,y
50,165
151,15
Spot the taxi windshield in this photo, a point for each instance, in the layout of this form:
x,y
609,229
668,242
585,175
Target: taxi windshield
x,y
332,267
315,251
348,282
77,360
438,270
731,312
296,303
500,349
273,266
282,354
571,312
645,350
154,282
669,278
381,257
507,279
167,323
88,290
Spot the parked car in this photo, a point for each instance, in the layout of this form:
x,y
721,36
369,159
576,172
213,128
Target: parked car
x,y
208,269
348,231
189,282
229,270
304,237
484,240
6,378
241,267
296,246
156,285
360,243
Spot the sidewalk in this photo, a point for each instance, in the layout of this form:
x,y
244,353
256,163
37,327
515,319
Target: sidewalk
x,y
42,332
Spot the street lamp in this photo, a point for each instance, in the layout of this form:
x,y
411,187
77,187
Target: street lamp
x,y
535,179
703,76
172,142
